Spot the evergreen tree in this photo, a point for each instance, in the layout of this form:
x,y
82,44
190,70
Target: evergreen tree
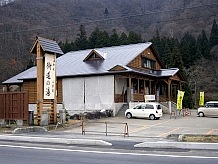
x,y
134,38
187,100
123,39
94,38
166,55
114,38
214,35
158,43
106,11
203,45
185,53
81,41
66,47
175,59
103,40
188,49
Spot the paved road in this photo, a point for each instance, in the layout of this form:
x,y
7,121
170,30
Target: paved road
x,y
141,133
37,154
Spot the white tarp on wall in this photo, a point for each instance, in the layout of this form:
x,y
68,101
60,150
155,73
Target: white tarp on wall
x,y
98,92
73,93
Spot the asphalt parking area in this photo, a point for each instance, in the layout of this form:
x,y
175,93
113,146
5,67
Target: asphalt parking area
x,y
151,128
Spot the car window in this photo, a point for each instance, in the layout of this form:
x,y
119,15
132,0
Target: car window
x,y
210,105
215,104
143,107
138,107
149,106
158,107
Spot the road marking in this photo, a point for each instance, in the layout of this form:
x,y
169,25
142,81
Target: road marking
x,y
165,134
146,127
107,152
211,131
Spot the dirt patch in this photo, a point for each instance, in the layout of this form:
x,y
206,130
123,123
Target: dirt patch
x,y
199,138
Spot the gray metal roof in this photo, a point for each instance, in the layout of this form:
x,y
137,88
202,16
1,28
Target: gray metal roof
x,y
16,79
47,46
50,46
157,73
73,64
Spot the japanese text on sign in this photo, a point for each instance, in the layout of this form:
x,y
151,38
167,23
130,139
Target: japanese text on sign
x,y
49,76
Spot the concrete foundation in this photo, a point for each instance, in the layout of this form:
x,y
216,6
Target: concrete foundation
x,y
19,122
62,114
44,118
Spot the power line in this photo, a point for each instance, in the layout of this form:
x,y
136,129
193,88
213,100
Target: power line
x,y
110,19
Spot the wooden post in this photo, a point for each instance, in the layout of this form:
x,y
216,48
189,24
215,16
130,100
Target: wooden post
x,y
39,59
169,89
130,85
149,87
55,103
180,86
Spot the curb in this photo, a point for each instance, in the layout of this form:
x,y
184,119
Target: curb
x,y
178,145
55,140
29,129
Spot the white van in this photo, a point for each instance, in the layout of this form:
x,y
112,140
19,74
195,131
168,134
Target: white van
x,y
209,109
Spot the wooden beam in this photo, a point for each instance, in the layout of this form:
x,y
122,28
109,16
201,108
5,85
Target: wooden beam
x,y
39,62
55,98
169,89
149,87
130,86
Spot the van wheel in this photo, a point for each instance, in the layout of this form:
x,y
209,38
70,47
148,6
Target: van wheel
x,y
201,114
128,115
152,117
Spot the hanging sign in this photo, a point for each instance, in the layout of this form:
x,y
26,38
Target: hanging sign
x,y
49,76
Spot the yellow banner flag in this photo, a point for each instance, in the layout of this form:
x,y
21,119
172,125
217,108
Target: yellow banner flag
x,y
180,96
201,100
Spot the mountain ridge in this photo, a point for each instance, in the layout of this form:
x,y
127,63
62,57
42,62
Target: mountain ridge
x,y
22,20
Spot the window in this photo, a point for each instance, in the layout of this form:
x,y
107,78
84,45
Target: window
x,y
158,107
94,56
148,63
148,106
209,105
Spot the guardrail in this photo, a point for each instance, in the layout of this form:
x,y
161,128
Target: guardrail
x,y
107,131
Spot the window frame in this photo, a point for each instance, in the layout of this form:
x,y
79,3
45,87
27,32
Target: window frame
x,y
148,63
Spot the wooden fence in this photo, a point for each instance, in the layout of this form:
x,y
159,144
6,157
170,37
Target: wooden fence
x,y
14,106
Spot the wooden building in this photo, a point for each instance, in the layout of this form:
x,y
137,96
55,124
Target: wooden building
x,y
106,78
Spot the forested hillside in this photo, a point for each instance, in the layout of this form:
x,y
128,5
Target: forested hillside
x,y
183,28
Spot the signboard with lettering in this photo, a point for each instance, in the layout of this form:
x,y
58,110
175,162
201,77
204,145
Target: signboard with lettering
x,y
49,76
149,98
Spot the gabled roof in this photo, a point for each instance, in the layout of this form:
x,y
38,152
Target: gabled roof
x,y
73,63
47,46
97,53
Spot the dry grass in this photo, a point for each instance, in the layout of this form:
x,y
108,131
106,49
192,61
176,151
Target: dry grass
x,y
200,138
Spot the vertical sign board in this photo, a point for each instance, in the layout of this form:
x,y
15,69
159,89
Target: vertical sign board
x,y
201,101
49,76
